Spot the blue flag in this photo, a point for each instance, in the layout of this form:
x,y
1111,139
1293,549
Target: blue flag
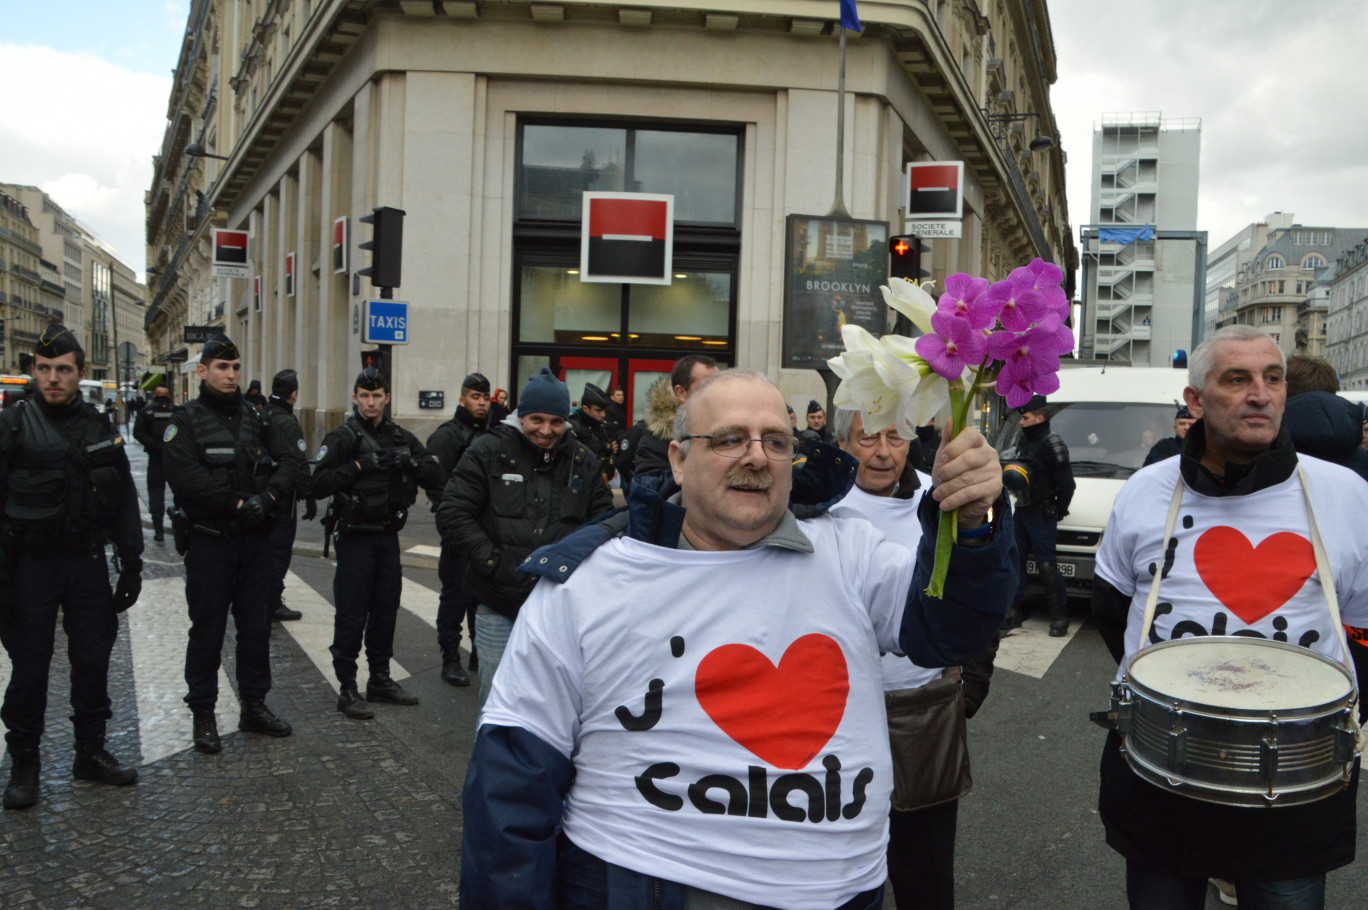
x,y
850,18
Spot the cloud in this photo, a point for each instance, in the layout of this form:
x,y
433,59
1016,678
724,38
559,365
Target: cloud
x,y
84,130
1279,95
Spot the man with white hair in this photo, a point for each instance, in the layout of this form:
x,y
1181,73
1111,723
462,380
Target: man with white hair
x,y
1241,562
925,733
692,714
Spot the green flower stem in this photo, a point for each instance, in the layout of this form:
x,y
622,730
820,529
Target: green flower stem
x,y
947,532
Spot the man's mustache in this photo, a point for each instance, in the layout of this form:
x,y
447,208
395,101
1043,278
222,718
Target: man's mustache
x,y
744,478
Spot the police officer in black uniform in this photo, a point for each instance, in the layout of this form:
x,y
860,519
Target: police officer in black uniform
x,y
148,428
67,491
588,425
449,442
229,472
279,415
1040,505
372,468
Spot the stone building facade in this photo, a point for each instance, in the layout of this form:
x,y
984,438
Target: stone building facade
x,y
484,123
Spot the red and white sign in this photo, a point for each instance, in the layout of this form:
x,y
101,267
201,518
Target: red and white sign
x,y
935,191
289,274
339,245
256,293
627,238
230,254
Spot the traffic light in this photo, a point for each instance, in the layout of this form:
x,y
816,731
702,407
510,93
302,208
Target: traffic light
x,y
380,359
905,258
386,246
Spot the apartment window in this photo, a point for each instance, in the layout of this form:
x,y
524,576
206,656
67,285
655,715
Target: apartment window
x,y
1273,262
1299,287
1314,261
1272,314
1281,286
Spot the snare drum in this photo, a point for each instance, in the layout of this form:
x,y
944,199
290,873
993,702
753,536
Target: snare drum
x,y
1238,721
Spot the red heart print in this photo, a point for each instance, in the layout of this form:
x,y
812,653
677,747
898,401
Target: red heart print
x,y
784,714
1253,581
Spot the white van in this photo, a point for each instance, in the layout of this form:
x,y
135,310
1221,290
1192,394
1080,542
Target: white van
x,y
1109,417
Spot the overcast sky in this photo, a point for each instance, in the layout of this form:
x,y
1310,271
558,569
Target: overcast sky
x,y
1279,87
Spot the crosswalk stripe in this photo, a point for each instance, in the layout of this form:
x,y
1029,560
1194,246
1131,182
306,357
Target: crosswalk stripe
x,y
158,630
314,631
1030,650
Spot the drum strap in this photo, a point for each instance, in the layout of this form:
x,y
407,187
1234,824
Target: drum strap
x,y
1152,601
1327,582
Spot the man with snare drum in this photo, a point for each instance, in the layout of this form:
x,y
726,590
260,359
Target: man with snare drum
x,y
1241,560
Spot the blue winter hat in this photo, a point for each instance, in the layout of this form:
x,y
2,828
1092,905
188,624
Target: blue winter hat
x,y
544,394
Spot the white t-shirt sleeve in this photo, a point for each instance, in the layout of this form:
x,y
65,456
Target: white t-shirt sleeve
x,y
885,579
1351,583
1113,561
539,683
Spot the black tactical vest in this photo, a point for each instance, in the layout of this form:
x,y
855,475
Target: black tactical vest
x,y
158,419
377,501
241,464
63,494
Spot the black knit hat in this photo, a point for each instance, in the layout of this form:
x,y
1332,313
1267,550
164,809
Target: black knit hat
x,y
475,382
57,340
594,396
285,383
220,347
370,379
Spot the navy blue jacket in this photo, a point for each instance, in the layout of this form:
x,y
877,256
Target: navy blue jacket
x,y
516,783
1327,426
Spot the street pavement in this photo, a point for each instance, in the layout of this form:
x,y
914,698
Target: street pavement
x,y
367,813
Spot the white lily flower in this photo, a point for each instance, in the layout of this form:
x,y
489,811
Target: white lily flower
x,y
910,300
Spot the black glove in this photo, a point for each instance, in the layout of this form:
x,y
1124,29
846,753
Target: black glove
x,y
310,509
254,510
129,586
373,462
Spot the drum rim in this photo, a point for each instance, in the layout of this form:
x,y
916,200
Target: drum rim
x,y
1223,710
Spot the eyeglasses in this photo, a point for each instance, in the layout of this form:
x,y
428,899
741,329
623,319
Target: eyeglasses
x,y
733,444
892,438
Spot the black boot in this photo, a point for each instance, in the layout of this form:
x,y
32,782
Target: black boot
x,y
1054,600
157,534
453,673
381,687
206,733
350,702
257,718
283,613
98,764
1012,620
22,792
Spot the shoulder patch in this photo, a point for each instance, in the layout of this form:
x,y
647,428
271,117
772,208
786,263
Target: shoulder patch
x,y
170,433
301,445
322,450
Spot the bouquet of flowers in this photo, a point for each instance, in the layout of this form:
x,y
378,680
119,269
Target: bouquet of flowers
x,y
1010,333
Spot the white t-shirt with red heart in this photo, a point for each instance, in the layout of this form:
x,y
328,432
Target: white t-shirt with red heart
x,y
723,710
898,520
1241,564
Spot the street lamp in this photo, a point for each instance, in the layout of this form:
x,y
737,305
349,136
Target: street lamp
x,y
196,150
998,124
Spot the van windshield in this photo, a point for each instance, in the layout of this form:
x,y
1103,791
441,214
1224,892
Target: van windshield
x,y
1105,439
